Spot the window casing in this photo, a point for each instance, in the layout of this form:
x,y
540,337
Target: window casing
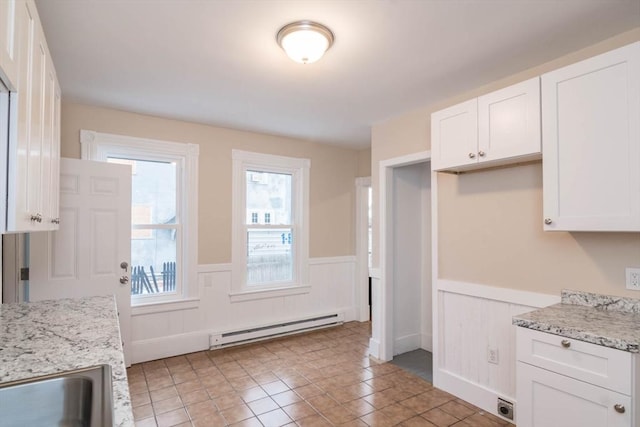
x,y
164,222
270,225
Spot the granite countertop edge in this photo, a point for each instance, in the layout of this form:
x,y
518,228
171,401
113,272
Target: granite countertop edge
x,y
577,334
603,320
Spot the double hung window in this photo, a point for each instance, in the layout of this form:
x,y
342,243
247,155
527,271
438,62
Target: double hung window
x,y
270,223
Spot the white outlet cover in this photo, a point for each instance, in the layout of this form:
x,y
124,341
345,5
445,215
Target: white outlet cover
x,y
492,355
633,278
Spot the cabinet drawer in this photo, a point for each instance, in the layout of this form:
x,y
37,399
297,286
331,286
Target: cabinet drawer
x,y
595,364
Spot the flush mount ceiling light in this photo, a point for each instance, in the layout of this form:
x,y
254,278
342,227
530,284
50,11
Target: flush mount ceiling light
x,y
305,41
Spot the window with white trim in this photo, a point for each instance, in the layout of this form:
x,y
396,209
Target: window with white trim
x,y
270,225
163,213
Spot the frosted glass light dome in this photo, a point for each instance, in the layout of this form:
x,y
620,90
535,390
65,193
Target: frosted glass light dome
x,y
305,41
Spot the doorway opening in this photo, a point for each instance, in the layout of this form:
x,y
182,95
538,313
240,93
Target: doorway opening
x,y
363,248
403,324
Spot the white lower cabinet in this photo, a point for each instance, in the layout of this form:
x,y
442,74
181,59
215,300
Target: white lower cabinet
x,y
563,382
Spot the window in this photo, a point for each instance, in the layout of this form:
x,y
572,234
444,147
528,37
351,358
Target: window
x,y
270,225
163,213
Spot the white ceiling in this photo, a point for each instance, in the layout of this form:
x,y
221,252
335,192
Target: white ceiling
x,y
217,61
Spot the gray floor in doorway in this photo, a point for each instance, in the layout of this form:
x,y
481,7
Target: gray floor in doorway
x,y
418,362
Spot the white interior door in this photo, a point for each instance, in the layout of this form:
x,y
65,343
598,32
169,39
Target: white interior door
x,y
84,257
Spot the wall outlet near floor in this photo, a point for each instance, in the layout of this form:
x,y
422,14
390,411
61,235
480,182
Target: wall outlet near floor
x,y
505,408
492,355
633,278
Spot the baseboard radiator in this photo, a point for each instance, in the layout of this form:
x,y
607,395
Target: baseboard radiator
x,y
245,336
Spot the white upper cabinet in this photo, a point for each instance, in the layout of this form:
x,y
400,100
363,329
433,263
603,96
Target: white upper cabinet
x,y
499,128
591,142
34,136
454,136
8,47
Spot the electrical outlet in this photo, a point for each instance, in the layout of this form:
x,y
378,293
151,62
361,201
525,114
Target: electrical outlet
x,y
633,278
492,355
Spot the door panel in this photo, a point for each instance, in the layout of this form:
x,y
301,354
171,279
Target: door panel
x,y
83,257
63,247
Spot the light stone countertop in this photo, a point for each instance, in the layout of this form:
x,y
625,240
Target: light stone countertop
x,y
49,337
598,319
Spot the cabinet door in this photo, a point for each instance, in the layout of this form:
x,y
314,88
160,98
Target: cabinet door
x,y
37,150
18,215
8,45
454,136
509,122
48,153
54,185
546,399
591,143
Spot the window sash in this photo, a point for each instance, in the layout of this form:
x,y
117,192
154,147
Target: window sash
x,y
298,169
292,225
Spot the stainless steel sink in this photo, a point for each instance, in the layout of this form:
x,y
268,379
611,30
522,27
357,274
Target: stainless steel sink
x,y
79,398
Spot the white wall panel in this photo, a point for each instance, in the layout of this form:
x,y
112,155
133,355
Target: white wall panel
x,y
185,330
473,318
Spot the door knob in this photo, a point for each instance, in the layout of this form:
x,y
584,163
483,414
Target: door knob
x,y
124,265
472,155
619,408
124,280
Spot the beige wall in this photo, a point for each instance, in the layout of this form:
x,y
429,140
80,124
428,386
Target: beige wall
x,y
333,171
364,162
490,222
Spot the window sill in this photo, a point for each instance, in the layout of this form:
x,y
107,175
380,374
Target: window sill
x,y
269,293
164,306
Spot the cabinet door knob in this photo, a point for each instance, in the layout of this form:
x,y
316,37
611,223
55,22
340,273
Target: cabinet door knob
x,y
124,280
619,408
547,221
481,153
565,343
472,155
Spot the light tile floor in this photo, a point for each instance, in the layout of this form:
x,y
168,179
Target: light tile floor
x,y
321,378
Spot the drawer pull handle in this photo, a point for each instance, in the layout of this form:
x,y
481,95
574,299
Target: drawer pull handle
x,y
619,408
566,343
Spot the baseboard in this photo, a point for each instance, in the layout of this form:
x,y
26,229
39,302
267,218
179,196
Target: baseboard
x,y
473,393
173,345
407,343
350,314
427,342
374,348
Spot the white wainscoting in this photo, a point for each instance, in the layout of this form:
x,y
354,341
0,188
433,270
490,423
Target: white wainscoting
x,y
472,318
163,334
